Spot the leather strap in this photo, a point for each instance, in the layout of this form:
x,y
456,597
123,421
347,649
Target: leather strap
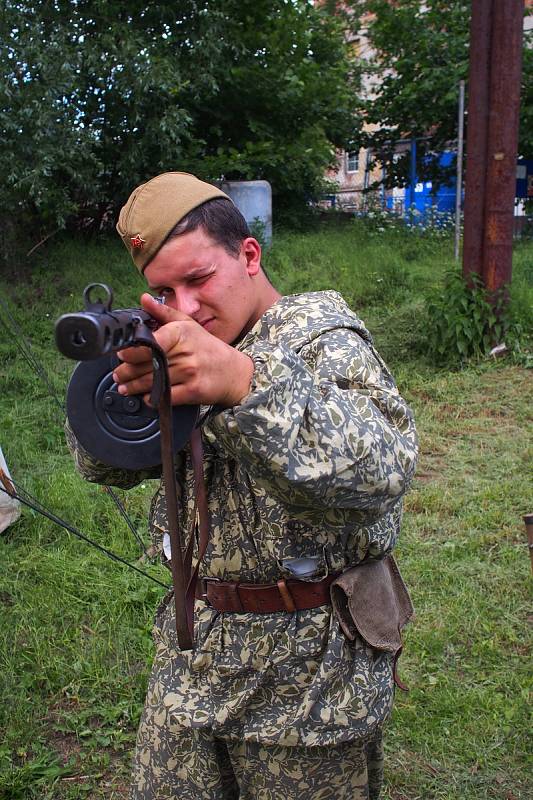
x,y
200,522
266,598
161,400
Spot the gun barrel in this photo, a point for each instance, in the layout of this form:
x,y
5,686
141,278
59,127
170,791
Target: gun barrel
x,y
87,335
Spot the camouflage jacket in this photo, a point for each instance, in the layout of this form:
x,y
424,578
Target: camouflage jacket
x,y
313,462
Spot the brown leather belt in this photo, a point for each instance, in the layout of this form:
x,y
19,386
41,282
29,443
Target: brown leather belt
x,y
265,598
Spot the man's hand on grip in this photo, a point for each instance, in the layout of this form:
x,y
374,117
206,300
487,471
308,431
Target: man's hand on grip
x,y
203,369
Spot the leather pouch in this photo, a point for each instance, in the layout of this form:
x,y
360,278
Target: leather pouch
x,y
372,600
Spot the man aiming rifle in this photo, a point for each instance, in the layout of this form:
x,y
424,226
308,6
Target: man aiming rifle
x,y
307,451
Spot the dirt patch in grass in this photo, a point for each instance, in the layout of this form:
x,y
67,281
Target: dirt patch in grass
x,y
110,781
65,743
114,784
431,467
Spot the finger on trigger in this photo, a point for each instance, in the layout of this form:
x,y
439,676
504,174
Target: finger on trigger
x,y
129,372
135,355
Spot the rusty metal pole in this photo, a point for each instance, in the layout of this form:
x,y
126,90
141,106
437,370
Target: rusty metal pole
x,y
502,143
477,136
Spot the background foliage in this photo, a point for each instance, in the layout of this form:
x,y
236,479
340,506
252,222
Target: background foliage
x,y
97,95
421,54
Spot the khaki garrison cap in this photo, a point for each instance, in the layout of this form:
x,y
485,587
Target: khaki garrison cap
x,y
155,207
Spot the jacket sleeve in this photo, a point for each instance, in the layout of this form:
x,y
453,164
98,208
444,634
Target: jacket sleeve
x,y
324,429
97,472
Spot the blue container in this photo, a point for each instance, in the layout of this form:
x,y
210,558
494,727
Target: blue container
x,y
254,201
425,199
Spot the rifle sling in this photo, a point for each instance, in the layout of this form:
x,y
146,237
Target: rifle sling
x,y
184,583
200,521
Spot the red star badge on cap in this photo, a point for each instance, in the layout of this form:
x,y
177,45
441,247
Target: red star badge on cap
x,y
137,242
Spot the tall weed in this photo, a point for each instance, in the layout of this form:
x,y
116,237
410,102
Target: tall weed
x,y
466,322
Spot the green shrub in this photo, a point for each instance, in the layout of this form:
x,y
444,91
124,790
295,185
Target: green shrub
x,y
465,321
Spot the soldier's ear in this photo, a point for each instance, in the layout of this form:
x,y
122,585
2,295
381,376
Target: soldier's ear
x,y
251,249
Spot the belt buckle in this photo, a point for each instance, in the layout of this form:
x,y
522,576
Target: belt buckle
x,y
203,582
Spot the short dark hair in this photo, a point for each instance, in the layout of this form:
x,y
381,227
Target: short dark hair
x,y
221,219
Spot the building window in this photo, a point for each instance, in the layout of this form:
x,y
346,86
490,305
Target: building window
x,y
352,161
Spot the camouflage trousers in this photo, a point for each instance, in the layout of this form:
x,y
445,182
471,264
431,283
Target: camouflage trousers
x,y
193,764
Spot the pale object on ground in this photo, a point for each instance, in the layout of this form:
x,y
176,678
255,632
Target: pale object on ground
x,y
9,508
499,351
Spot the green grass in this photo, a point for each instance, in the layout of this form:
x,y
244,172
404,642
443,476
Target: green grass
x,y
75,644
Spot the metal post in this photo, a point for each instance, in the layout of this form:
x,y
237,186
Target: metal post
x,y
502,143
459,187
366,178
476,136
412,201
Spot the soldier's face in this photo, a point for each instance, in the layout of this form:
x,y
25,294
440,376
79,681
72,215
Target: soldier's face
x,y
200,278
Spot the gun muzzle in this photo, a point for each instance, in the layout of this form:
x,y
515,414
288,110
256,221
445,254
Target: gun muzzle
x,y
87,335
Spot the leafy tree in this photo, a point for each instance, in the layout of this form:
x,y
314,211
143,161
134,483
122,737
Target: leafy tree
x,y
421,54
98,95
288,99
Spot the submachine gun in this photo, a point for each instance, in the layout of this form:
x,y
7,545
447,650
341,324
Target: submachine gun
x,y
122,431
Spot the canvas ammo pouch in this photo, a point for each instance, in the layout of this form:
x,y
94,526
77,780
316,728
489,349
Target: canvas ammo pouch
x,y
372,600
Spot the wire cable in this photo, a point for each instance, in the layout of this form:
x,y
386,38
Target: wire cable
x,y
27,499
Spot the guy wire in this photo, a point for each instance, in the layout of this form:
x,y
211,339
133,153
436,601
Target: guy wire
x,y
28,500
